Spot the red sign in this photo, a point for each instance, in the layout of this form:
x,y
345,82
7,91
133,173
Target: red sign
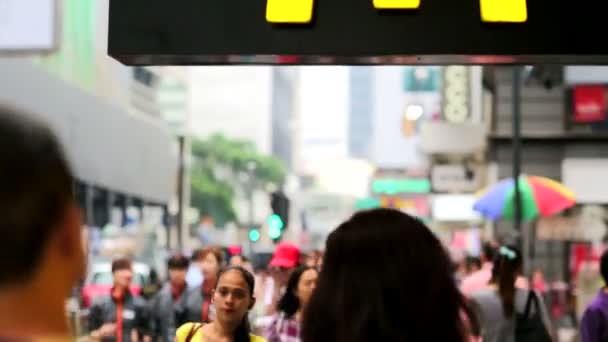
x,y
589,103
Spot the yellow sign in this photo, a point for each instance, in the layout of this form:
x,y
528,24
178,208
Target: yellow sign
x,y
504,11
396,4
289,11
301,11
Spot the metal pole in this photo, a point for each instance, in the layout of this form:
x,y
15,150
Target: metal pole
x,y
250,218
516,145
180,196
251,168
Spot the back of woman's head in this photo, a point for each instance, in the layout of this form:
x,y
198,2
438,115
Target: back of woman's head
x,y
507,266
289,303
385,277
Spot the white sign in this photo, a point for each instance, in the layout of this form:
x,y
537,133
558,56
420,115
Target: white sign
x,y
455,178
454,208
456,107
578,74
586,177
28,25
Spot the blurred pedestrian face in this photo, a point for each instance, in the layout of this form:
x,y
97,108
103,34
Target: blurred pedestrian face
x,y
177,276
281,274
123,278
210,266
236,260
232,298
306,285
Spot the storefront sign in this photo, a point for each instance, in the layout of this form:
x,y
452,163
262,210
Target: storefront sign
x,y
301,11
589,103
401,186
586,177
454,208
456,104
28,25
354,32
424,79
455,178
417,206
367,203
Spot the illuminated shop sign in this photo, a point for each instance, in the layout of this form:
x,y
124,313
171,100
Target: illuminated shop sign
x,y
301,11
338,32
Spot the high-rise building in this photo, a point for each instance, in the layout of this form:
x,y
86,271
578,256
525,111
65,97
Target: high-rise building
x,y
360,112
323,109
283,114
395,130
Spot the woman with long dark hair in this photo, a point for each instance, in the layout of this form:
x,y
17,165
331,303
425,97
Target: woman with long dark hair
x,y
500,303
233,298
385,277
286,323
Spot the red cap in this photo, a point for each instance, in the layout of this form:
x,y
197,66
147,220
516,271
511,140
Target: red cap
x,y
285,255
235,250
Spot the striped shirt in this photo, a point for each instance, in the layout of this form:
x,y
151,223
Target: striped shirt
x,y
283,329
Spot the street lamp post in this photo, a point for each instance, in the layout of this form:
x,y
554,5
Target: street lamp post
x,y
250,188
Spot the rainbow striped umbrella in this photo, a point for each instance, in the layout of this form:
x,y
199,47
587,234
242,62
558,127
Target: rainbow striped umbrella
x,y
539,197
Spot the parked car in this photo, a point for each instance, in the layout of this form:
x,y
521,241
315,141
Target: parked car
x,y
99,281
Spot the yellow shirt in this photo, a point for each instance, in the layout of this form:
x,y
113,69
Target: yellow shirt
x,y
184,330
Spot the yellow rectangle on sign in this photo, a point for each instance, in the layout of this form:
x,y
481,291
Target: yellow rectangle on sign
x,y
396,4
289,11
504,11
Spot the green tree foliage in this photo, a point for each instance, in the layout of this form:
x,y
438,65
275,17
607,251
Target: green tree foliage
x,y
217,165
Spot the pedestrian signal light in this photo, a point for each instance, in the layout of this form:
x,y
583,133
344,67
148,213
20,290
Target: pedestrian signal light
x,y
504,11
254,235
275,222
289,11
396,4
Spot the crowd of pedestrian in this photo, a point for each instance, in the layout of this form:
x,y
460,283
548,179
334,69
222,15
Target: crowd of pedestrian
x,y
383,276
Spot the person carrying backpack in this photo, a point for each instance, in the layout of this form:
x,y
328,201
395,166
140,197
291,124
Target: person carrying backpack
x,y
507,313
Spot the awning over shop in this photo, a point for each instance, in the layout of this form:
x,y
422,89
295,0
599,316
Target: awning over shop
x,y
107,146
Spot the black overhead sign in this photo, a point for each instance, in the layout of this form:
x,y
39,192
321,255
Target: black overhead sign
x,y
357,31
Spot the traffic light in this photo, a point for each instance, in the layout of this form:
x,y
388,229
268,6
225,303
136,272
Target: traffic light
x,y
279,220
275,226
254,235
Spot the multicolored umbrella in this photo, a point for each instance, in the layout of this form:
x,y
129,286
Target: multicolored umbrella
x,y
539,197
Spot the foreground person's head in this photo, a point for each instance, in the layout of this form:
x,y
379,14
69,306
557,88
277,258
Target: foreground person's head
x,y
233,298
385,277
41,245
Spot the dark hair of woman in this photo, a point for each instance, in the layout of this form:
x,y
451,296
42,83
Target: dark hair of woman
x,y
507,265
241,334
289,303
385,277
